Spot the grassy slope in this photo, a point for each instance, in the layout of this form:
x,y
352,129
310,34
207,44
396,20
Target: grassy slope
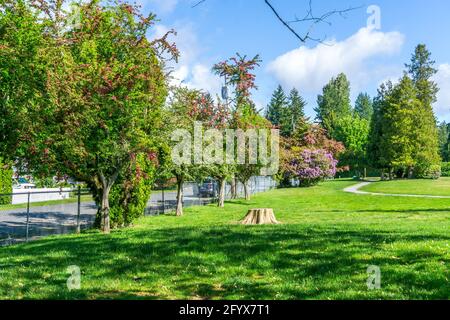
x,y
322,250
439,187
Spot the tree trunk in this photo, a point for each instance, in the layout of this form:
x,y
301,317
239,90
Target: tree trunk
x,y
107,184
221,202
179,211
260,216
410,173
233,188
106,225
246,191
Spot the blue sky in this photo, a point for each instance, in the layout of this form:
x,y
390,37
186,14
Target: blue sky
x,y
216,29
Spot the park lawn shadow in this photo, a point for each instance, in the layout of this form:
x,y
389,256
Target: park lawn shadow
x,y
229,262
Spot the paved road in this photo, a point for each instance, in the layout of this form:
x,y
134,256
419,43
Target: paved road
x,y
62,218
355,189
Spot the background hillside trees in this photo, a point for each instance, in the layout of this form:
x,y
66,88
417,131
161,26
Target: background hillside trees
x,y
364,106
403,134
334,103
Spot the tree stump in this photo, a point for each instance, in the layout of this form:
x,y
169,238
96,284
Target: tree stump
x,y
260,216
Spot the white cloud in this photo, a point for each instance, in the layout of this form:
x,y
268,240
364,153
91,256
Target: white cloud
x,y
202,78
309,69
442,78
190,70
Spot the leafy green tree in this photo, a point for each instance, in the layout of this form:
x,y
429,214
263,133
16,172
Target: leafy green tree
x,y
101,87
364,106
334,103
239,71
22,75
179,115
353,132
444,138
374,151
399,117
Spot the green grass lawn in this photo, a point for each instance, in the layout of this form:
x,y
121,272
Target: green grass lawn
x,y
440,187
321,250
74,199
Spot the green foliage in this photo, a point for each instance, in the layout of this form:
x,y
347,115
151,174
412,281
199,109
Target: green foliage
x,y
444,140
353,132
399,118
276,108
296,109
403,134
129,196
334,103
364,106
374,150
285,112
22,76
6,186
445,169
89,96
421,70
430,172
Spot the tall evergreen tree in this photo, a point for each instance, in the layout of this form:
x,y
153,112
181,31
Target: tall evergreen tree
x,y
296,108
364,106
398,118
334,103
421,69
275,109
374,152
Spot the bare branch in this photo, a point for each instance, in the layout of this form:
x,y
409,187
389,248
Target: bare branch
x,y
310,18
198,3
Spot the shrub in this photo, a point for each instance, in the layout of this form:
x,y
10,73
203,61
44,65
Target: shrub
x,y
6,174
129,195
445,169
431,172
310,166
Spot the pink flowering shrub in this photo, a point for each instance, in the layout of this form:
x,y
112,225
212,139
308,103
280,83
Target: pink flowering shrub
x,y
310,166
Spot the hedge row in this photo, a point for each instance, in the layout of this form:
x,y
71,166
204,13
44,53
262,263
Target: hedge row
x,y
445,169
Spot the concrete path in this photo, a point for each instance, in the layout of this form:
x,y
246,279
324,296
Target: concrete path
x,y
355,189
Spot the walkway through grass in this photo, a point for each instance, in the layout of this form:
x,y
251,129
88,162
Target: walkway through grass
x,y
321,250
440,187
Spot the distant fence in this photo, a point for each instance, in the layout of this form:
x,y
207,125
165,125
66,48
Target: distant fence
x,y
164,201
77,211
20,196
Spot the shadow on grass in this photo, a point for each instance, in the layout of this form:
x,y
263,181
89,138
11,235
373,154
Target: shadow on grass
x,y
268,262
